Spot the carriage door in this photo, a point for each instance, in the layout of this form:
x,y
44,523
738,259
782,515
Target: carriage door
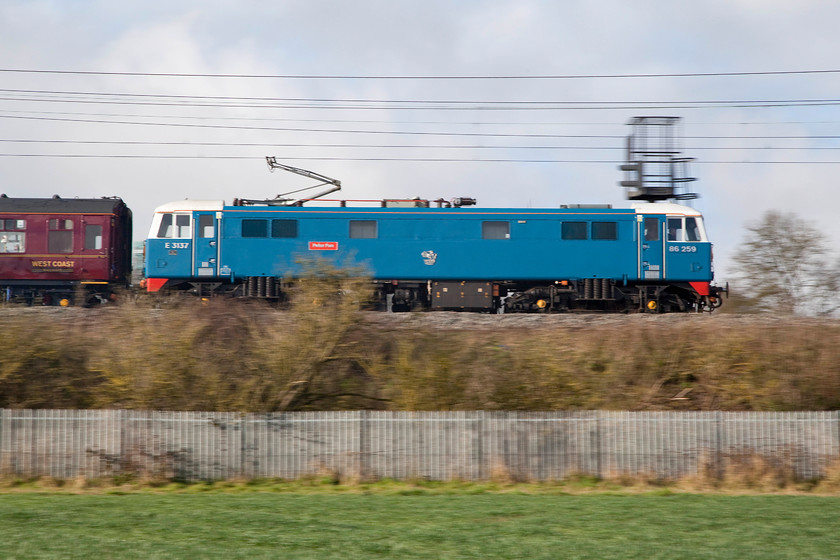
x,y
206,243
651,244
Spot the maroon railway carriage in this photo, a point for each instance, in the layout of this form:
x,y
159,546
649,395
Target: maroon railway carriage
x,y
56,250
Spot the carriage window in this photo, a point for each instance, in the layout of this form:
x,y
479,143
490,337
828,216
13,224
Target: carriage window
x,y
206,226
573,230
60,236
11,238
12,242
93,236
254,228
651,229
363,229
284,228
605,230
60,224
11,225
675,231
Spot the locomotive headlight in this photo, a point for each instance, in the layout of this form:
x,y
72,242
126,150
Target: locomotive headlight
x,y
651,305
541,303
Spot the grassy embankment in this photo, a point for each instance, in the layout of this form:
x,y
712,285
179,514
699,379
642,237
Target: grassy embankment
x,y
400,524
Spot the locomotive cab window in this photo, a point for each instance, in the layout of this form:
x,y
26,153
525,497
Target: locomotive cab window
x,y
606,231
495,230
60,235
675,229
573,231
175,226
685,229
692,230
363,229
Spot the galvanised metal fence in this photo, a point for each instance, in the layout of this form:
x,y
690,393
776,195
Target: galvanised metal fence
x,y
405,445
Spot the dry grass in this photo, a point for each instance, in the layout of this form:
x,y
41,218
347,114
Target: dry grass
x,y
749,474
323,353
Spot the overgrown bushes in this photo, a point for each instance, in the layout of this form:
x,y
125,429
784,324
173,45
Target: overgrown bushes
x,y
323,353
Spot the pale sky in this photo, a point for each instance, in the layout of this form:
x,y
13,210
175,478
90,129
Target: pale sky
x,y
358,106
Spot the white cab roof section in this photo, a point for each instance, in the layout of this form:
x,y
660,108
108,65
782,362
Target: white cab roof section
x,y
663,208
191,205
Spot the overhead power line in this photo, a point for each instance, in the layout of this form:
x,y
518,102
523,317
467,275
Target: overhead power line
x,y
411,133
468,122
395,159
420,76
298,129
392,146
421,105
111,95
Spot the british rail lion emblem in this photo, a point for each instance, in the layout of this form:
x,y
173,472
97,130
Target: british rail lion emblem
x,y
429,257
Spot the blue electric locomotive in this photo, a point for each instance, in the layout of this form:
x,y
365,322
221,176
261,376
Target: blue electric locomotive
x,y
652,257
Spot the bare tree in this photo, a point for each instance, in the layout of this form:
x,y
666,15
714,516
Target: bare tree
x,y
784,266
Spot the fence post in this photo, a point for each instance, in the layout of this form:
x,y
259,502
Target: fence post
x,y
838,433
479,446
242,422
718,445
596,444
364,443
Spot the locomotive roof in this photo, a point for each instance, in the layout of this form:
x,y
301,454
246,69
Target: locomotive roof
x,y
60,205
664,208
188,205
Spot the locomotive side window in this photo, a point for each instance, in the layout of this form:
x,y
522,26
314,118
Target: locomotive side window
x,y
651,229
363,229
60,236
573,230
495,230
607,231
206,226
254,228
284,228
93,236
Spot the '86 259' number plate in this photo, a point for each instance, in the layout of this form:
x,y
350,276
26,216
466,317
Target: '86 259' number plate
x,y
682,248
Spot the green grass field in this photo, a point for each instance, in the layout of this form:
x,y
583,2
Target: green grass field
x,y
416,524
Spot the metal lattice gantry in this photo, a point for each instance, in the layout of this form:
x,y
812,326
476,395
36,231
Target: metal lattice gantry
x,y
654,168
